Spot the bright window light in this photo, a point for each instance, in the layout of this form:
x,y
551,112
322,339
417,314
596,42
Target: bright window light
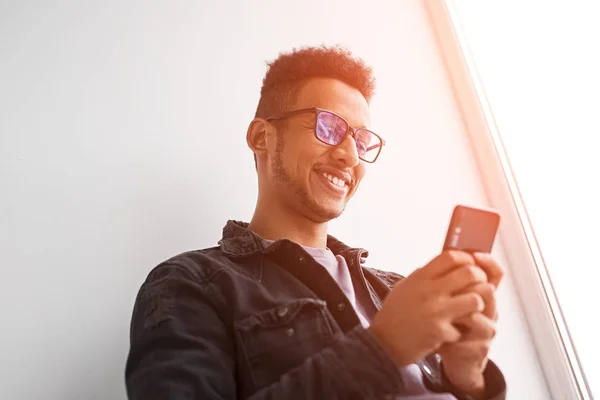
x,y
540,66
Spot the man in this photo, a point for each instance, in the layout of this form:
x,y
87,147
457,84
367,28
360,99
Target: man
x,y
282,310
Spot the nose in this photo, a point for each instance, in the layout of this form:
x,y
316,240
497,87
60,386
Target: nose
x,y
346,152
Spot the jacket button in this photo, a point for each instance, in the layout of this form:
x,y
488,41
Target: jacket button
x,y
290,331
341,306
282,312
301,259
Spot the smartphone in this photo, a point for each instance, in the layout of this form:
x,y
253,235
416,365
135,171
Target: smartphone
x,y
472,229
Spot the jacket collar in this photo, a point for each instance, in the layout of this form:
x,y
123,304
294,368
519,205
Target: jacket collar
x,y
239,241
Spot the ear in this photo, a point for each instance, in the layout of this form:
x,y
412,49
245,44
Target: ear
x,y
257,136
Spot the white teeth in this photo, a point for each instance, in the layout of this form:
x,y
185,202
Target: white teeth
x,y
335,180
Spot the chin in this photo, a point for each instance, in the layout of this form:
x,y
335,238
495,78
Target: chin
x,y
329,213
319,207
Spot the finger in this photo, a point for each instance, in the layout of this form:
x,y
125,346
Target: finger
x,y
466,350
450,333
494,270
487,293
460,279
446,262
476,327
462,305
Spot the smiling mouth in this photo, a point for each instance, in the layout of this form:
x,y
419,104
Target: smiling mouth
x,y
335,180
337,183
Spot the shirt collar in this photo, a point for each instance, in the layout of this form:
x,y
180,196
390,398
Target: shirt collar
x,y
239,241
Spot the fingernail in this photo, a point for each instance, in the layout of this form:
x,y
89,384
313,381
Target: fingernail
x,y
481,305
493,287
483,255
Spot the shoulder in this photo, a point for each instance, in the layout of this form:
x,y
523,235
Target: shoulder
x,y
179,281
388,277
186,271
197,265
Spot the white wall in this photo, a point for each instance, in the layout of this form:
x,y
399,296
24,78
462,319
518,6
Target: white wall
x,y
122,143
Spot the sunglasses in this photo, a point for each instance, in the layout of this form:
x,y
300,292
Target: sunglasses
x,y
332,129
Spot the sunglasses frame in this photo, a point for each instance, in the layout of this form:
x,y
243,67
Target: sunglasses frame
x,y
350,131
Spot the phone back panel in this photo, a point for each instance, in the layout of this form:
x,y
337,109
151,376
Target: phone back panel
x,y
472,229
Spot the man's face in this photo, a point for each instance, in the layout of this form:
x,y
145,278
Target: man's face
x,y
301,166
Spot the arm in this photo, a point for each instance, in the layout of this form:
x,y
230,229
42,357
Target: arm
x,y
466,367
182,349
436,380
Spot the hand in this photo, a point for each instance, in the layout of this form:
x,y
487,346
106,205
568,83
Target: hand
x,y
418,314
465,360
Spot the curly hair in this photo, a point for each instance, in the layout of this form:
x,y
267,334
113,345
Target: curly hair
x,y
286,75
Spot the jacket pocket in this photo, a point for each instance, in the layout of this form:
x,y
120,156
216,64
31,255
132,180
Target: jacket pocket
x,y
276,340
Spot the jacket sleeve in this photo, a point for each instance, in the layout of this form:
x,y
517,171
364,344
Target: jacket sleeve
x,y
435,379
180,348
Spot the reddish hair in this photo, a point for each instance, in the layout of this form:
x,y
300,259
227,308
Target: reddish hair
x,y
286,74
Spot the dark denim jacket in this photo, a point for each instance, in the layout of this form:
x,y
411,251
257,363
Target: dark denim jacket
x,y
242,321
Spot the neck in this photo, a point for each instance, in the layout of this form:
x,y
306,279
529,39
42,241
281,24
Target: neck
x,y
273,222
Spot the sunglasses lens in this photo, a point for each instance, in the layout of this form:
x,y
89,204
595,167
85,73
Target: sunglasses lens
x,y
368,144
331,129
